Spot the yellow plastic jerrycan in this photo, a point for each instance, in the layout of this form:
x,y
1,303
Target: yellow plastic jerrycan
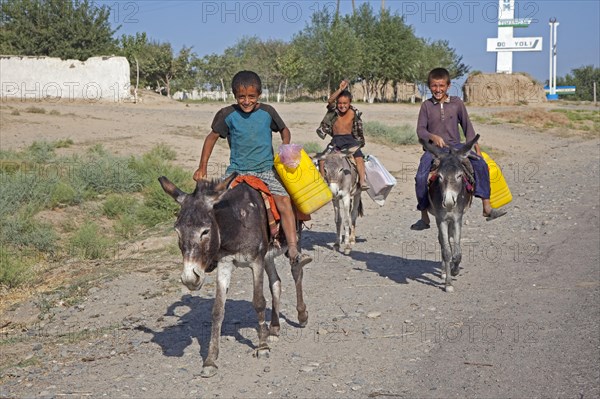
x,y
500,194
304,183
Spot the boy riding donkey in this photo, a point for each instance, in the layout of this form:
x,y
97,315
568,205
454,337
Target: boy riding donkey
x,y
438,122
343,123
248,126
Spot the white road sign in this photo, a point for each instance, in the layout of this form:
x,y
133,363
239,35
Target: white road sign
x,y
514,44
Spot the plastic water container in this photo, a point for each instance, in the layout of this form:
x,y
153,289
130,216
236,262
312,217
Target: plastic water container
x,y
304,184
500,194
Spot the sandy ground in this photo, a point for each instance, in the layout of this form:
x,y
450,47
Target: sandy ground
x,y
523,322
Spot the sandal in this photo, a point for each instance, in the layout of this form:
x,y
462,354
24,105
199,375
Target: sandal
x,y
300,260
495,214
420,225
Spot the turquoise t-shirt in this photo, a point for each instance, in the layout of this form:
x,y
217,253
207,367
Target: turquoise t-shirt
x,y
249,136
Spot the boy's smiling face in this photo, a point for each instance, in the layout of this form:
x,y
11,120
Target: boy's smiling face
x,y
247,97
439,89
343,104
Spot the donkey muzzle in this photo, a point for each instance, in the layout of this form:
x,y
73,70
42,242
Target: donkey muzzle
x,y
192,276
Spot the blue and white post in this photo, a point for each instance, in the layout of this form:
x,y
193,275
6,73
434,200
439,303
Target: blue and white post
x,y
552,79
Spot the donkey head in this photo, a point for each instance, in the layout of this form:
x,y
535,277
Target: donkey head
x,y
338,173
198,232
449,179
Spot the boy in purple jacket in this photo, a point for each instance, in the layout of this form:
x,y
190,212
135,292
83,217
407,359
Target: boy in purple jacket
x,y
438,122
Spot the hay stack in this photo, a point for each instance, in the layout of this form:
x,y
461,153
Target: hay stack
x,y
503,89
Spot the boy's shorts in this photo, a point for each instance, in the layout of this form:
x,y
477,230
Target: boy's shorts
x,y
343,141
271,179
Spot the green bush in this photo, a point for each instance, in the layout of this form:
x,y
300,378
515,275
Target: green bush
x,y
158,207
63,193
126,226
155,163
64,143
88,242
14,271
117,205
397,135
106,174
312,147
40,152
21,230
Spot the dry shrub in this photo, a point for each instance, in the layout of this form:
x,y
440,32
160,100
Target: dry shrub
x,y
535,117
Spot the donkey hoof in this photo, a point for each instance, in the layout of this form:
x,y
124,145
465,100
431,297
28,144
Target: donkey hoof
x,y
208,371
303,318
454,271
273,338
336,246
347,250
262,353
443,276
449,288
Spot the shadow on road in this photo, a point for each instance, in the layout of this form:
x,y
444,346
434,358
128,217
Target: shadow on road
x,y
240,322
396,268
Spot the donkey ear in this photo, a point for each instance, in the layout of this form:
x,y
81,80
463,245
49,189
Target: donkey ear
x,y
171,189
222,186
467,148
432,148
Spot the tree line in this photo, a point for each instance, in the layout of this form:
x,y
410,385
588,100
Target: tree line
x,y
377,50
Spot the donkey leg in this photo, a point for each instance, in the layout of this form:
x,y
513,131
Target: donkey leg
x,y
353,216
346,222
259,303
224,271
297,273
338,224
275,287
446,255
456,250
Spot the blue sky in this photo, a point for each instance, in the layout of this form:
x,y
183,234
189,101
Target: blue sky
x,y
212,26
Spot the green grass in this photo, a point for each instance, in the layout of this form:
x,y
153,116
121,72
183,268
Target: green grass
x,y
395,135
14,269
37,179
117,205
64,143
89,243
23,231
312,147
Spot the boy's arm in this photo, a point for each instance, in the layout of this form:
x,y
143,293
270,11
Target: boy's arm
x,y
286,135
358,127
333,97
467,127
207,148
422,131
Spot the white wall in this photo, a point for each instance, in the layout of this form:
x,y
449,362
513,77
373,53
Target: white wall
x,y
53,79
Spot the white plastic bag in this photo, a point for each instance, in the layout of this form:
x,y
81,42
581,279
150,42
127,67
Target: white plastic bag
x,y
379,179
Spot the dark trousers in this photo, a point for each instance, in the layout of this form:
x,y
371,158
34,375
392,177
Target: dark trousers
x,y
480,171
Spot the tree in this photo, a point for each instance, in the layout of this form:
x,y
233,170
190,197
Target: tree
x,y
330,51
391,50
583,79
159,68
439,54
73,29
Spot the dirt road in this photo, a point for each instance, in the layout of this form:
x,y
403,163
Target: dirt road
x,y
523,321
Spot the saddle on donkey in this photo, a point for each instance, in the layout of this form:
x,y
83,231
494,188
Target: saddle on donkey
x,y
273,216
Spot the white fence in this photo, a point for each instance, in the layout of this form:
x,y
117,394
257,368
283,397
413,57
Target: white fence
x,y
53,79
